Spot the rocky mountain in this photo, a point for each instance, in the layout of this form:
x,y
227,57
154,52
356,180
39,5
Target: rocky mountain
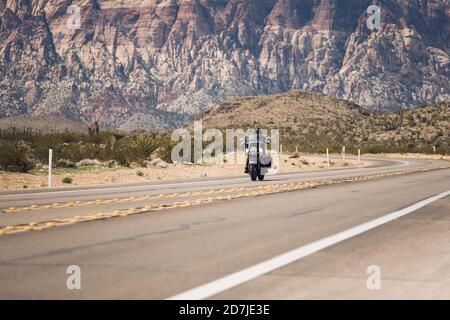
x,y
136,63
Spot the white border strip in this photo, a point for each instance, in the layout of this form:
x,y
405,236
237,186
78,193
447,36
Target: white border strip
x,y
215,287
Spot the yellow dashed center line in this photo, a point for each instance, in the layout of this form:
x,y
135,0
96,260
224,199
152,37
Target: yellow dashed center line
x,y
116,200
243,193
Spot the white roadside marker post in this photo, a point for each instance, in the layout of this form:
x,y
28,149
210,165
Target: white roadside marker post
x,y
328,158
50,160
359,155
343,153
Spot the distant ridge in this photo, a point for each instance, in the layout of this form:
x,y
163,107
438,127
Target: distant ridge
x,y
311,122
44,124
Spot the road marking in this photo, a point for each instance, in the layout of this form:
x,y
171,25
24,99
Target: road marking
x,y
206,183
115,200
151,187
223,284
246,193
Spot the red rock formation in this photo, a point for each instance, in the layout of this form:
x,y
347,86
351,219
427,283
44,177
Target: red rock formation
x,y
144,56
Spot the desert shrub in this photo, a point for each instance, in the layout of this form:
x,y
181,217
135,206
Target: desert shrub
x,y
15,157
41,144
67,180
94,151
122,153
70,164
140,173
72,152
78,151
144,145
64,163
165,148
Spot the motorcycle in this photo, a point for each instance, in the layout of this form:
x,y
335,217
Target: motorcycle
x,y
258,161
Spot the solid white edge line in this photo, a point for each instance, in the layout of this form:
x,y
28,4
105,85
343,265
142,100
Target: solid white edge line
x,y
220,285
143,188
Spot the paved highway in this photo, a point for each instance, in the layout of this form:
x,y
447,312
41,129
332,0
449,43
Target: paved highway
x,y
294,236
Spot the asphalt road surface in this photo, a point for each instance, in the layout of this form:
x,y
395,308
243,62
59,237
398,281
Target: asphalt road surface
x,y
294,236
